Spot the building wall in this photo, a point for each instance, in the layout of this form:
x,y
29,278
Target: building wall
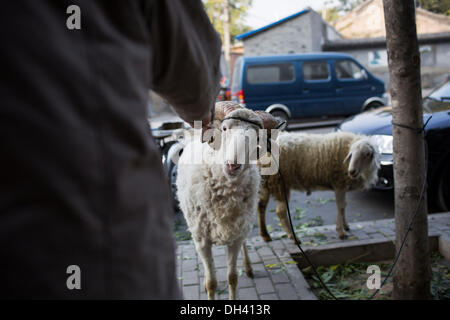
x,y
318,31
367,21
429,22
293,36
303,34
443,54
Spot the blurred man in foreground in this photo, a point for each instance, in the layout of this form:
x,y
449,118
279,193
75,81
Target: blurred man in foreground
x,y
85,210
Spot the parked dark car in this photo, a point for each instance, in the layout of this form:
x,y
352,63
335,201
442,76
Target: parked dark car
x,y
378,123
306,85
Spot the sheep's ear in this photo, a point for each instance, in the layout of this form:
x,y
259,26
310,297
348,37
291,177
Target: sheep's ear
x,y
213,136
349,155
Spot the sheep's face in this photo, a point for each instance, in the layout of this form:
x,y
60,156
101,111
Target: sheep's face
x,y
362,156
239,141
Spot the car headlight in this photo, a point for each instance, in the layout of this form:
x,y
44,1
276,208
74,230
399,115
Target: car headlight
x,y
384,143
386,99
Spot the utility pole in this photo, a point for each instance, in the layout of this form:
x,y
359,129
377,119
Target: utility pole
x,y
226,30
412,272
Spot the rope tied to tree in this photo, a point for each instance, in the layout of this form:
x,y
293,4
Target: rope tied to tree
x,y
416,130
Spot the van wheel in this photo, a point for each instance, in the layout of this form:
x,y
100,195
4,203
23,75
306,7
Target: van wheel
x,y
373,105
280,115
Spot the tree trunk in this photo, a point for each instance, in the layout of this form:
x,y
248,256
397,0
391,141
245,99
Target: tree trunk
x,y
226,30
412,273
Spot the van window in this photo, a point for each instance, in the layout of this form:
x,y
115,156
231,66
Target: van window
x,y
347,69
270,73
315,70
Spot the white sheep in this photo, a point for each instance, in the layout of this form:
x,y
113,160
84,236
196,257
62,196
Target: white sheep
x,y
338,161
218,196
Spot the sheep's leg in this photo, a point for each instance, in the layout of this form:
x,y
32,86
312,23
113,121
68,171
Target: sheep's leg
x,y
247,263
262,205
346,226
341,224
205,251
344,221
282,215
232,254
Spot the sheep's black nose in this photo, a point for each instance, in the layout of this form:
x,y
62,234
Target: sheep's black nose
x,y
353,173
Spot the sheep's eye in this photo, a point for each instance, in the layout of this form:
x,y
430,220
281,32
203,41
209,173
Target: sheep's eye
x,y
369,155
224,128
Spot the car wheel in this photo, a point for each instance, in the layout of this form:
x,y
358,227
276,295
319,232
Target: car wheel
x,y
443,190
373,105
164,152
280,115
173,186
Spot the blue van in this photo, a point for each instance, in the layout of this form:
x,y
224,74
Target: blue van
x,y
306,85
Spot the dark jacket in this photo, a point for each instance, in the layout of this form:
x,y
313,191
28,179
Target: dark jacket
x,y
81,181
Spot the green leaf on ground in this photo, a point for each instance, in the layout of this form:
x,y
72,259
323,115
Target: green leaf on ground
x,y
325,201
319,236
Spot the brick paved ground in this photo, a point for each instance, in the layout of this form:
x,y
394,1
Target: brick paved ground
x,y
277,275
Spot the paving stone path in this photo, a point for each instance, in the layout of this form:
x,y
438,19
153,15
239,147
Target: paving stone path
x,y
276,274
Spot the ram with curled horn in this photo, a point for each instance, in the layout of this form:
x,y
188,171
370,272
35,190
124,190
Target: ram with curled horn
x,y
218,197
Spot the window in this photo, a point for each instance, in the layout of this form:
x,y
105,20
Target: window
x,y
270,73
236,79
427,56
347,69
316,70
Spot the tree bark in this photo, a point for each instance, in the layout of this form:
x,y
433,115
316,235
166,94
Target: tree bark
x,y
412,273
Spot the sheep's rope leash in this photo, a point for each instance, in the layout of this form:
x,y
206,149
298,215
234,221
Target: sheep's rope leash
x,y
297,242
420,131
410,224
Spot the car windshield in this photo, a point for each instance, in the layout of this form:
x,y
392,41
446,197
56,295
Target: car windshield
x,y
438,100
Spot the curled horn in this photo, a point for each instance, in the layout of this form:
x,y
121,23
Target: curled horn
x,y
223,108
269,121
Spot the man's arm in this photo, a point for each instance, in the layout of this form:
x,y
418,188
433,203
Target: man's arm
x,y
186,57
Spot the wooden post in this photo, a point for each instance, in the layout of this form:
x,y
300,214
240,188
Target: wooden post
x,y
412,273
226,30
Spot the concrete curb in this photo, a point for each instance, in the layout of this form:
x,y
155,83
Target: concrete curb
x,y
378,247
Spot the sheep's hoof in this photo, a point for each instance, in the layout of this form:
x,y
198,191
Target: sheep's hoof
x,y
249,273
266,237
342,236
346,227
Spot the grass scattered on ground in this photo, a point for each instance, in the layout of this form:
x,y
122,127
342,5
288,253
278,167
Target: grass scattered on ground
x,y
348,281
324,200
300,213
